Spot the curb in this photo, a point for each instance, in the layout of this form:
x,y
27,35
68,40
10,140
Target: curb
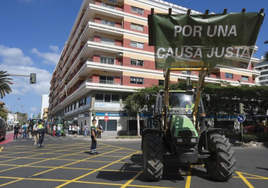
x,y
250,144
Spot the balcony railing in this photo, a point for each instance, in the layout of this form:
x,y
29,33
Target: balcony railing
x,y
111,25
111,82
260,64
107,6
98,61
105,43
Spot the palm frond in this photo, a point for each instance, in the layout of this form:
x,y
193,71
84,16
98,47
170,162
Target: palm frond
x,y
4,83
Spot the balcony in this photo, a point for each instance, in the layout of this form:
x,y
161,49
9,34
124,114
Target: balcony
x,y
261,64
98,81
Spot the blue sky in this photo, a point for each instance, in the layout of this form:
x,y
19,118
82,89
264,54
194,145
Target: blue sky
x,y
33,33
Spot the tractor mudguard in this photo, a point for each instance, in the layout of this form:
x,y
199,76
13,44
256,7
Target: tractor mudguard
x,y
205,135
149,131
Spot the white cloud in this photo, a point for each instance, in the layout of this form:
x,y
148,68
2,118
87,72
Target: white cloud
x,y
33,109
21,85
14,56
48,58
15,62
54,48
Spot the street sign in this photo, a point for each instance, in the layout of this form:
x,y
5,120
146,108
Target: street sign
x,y
241,118
106,118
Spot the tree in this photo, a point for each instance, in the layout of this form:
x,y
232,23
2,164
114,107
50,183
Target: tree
x,y
4,83
266,56
3,111
138,102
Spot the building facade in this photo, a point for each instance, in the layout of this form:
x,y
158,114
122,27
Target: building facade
x,y
107,57
262,67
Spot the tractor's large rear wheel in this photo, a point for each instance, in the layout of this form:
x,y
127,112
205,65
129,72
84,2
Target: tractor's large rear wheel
x,y
152,154
221,163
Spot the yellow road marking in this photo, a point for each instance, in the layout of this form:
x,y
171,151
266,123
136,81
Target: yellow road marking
x,y
244,179
95,170
40,161
1,149
72,163
35,154
84,182
255,176
2,185
131,180
189,177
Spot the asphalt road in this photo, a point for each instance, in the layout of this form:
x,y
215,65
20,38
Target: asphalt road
x,y
65,162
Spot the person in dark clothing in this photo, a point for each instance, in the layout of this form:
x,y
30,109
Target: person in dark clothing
x,y
94,130
41,132
16,131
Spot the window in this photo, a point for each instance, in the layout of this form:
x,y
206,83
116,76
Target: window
x,y
99,98
108,6
160,82
88,100
136,44
244,65
136,62
107,98
106,80
107,41
136,80
229,75
137,10
112,1
111,125
245,78
136,27
106,22
115,98
107,60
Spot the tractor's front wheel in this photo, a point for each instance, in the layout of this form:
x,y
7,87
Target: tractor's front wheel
x,y
221,163
152,154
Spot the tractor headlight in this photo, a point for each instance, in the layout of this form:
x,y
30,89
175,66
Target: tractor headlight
x,y
179,140
193,140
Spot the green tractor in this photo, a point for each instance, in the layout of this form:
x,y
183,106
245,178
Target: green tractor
x,y
178,128
182,42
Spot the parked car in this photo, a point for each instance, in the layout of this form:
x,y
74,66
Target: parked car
x,y
3,129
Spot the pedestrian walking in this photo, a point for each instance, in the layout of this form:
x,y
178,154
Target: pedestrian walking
x,y
86,129
94,129
16,131
70,129
100,130
54,130
41,132
24,130
59,130
30,131
35,133
78,129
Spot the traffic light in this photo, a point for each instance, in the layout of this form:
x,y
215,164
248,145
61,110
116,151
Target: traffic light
x,y
32,78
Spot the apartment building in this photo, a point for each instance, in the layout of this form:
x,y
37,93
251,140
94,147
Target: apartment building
x,y
107,57
262,67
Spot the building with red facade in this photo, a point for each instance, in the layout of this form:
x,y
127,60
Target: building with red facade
x,y
107,57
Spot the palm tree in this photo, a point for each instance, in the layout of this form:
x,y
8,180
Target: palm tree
x,y
4,83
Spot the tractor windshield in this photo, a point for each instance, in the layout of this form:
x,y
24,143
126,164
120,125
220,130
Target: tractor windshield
x,y
182,103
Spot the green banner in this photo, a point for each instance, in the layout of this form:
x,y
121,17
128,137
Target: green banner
x,y
196,41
